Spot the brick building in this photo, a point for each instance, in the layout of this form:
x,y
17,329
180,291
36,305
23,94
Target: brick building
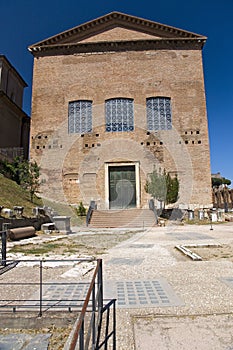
x,y
14,123
112,99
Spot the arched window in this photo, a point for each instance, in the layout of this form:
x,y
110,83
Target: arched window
x,y
119,114
159,116
80,117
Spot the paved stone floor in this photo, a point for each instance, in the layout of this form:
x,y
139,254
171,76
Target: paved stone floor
x,y
166,300
200,312
24,342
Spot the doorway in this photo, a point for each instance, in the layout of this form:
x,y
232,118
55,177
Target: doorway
x,y
122,186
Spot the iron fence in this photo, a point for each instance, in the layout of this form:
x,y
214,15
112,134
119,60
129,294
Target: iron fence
x,y
99,330
95,327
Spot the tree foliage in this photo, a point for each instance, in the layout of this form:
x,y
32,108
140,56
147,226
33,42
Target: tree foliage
x,y
29,177
24,173
161,186
220,181
11,169
156,185
172,189
81,210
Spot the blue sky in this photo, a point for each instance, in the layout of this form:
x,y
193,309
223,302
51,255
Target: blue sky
x,y
25,22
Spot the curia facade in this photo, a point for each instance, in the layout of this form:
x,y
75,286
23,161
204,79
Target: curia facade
x,y
113,99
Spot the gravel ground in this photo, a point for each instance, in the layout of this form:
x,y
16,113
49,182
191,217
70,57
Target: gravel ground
x,y
206,311
94,244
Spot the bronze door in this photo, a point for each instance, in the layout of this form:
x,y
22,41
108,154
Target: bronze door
x,y
122,187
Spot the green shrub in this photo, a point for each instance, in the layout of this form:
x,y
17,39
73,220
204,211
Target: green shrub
x,y
81,210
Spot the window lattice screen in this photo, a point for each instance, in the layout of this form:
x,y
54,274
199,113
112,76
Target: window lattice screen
x,y
80,117
159,116
119,114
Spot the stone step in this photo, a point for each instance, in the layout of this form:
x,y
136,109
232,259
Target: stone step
x,y
122,218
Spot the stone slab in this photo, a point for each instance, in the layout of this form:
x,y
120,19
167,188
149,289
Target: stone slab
x,y
125,261
142,293
184,332
59,297
141,246
184,236
15,341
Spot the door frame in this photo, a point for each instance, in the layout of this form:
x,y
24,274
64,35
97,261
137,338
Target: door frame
x,y
137,178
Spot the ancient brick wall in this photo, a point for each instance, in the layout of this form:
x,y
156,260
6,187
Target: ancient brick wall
x,y
73,165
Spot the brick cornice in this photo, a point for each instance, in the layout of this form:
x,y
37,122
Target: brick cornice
x,y
116,46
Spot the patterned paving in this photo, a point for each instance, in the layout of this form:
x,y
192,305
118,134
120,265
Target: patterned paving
x,y
142,293
125,261
188,235
129,294
141,246
60,296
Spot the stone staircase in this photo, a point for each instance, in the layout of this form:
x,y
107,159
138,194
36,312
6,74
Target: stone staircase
x,y
122,218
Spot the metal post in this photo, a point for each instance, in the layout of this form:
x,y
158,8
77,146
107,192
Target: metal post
x,y
93,319
81,337
114,325
106,329
3,262
211,227
4,237
41,291
100,286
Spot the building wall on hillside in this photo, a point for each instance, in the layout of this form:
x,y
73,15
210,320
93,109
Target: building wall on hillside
x,y
14,123
11,83
11,124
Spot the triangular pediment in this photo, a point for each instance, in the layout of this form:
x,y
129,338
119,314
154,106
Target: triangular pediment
x,y
114,27
118,33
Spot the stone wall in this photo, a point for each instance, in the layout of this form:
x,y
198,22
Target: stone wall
x,y
14,123
223,198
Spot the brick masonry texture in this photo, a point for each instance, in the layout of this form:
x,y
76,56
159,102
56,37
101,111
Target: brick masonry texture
x,y
73,166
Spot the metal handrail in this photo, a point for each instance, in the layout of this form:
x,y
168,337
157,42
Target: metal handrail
x,y
95,323
91,208
82,337
3,235
80,325
17,304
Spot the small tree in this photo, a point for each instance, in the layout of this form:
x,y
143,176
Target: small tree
x,y
172,189
218,181
23,172
81,210
156,185
162,187
29,173
11,169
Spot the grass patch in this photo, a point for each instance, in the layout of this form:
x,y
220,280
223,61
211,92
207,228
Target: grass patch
x,y
66,210
31,249
92,245
14,195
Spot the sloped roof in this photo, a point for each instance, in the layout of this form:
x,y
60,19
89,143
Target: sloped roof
x,y
75,37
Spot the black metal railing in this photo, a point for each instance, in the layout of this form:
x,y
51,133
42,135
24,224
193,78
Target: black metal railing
x,y
23,284
3,235
95,327
11,153
98,330
91,208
